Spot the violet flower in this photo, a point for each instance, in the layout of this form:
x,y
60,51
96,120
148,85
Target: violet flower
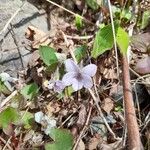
x,y
78,77
57,85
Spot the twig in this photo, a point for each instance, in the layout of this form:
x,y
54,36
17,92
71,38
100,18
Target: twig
x,y
5,143
79,37
12,17
69,46
84,128
130,115
114,37
5,101
70,11
146,121
137,103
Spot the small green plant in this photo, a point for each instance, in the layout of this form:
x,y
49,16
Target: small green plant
x,y
30,91
63,140
104,40
9,116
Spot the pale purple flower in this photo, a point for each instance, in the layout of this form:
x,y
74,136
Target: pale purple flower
x,y
57,85
78,77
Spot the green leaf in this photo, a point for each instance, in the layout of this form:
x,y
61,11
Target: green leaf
x,y
103,41
9,115
80,52
27,119
145,19
122,40
48,55
30,91
78,22
63,140
93,4
126,14
3,88
118,109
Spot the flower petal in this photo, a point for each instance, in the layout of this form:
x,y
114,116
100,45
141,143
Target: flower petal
x,y
87,81
71,66
59,86
76,85
68,78
90,70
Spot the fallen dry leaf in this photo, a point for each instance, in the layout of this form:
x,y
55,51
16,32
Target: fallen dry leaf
x,y
113,146
37,37
81,145
143,66
107,105
34,59
82,115
53,108
141,42
110,73
94,141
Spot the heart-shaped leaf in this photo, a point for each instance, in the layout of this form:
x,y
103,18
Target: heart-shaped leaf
x,y
80,52
27,119
122,40
30,91
63,140
103,41
8,116
48,55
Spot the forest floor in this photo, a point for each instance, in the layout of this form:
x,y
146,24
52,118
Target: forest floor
x,y
62,82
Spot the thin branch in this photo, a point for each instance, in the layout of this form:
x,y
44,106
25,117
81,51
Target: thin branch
x,y
79,37
8,146
130,115
5,101
101,114
7,143
69,46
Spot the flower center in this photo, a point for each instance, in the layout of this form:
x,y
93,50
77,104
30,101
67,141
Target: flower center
x,y
79,76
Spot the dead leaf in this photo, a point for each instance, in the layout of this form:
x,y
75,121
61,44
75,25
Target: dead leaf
x,y
143,66
94,141
34,59
141,42
37,37
107,105
81,145
53,108
82,115
113,146
116,92
110,73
